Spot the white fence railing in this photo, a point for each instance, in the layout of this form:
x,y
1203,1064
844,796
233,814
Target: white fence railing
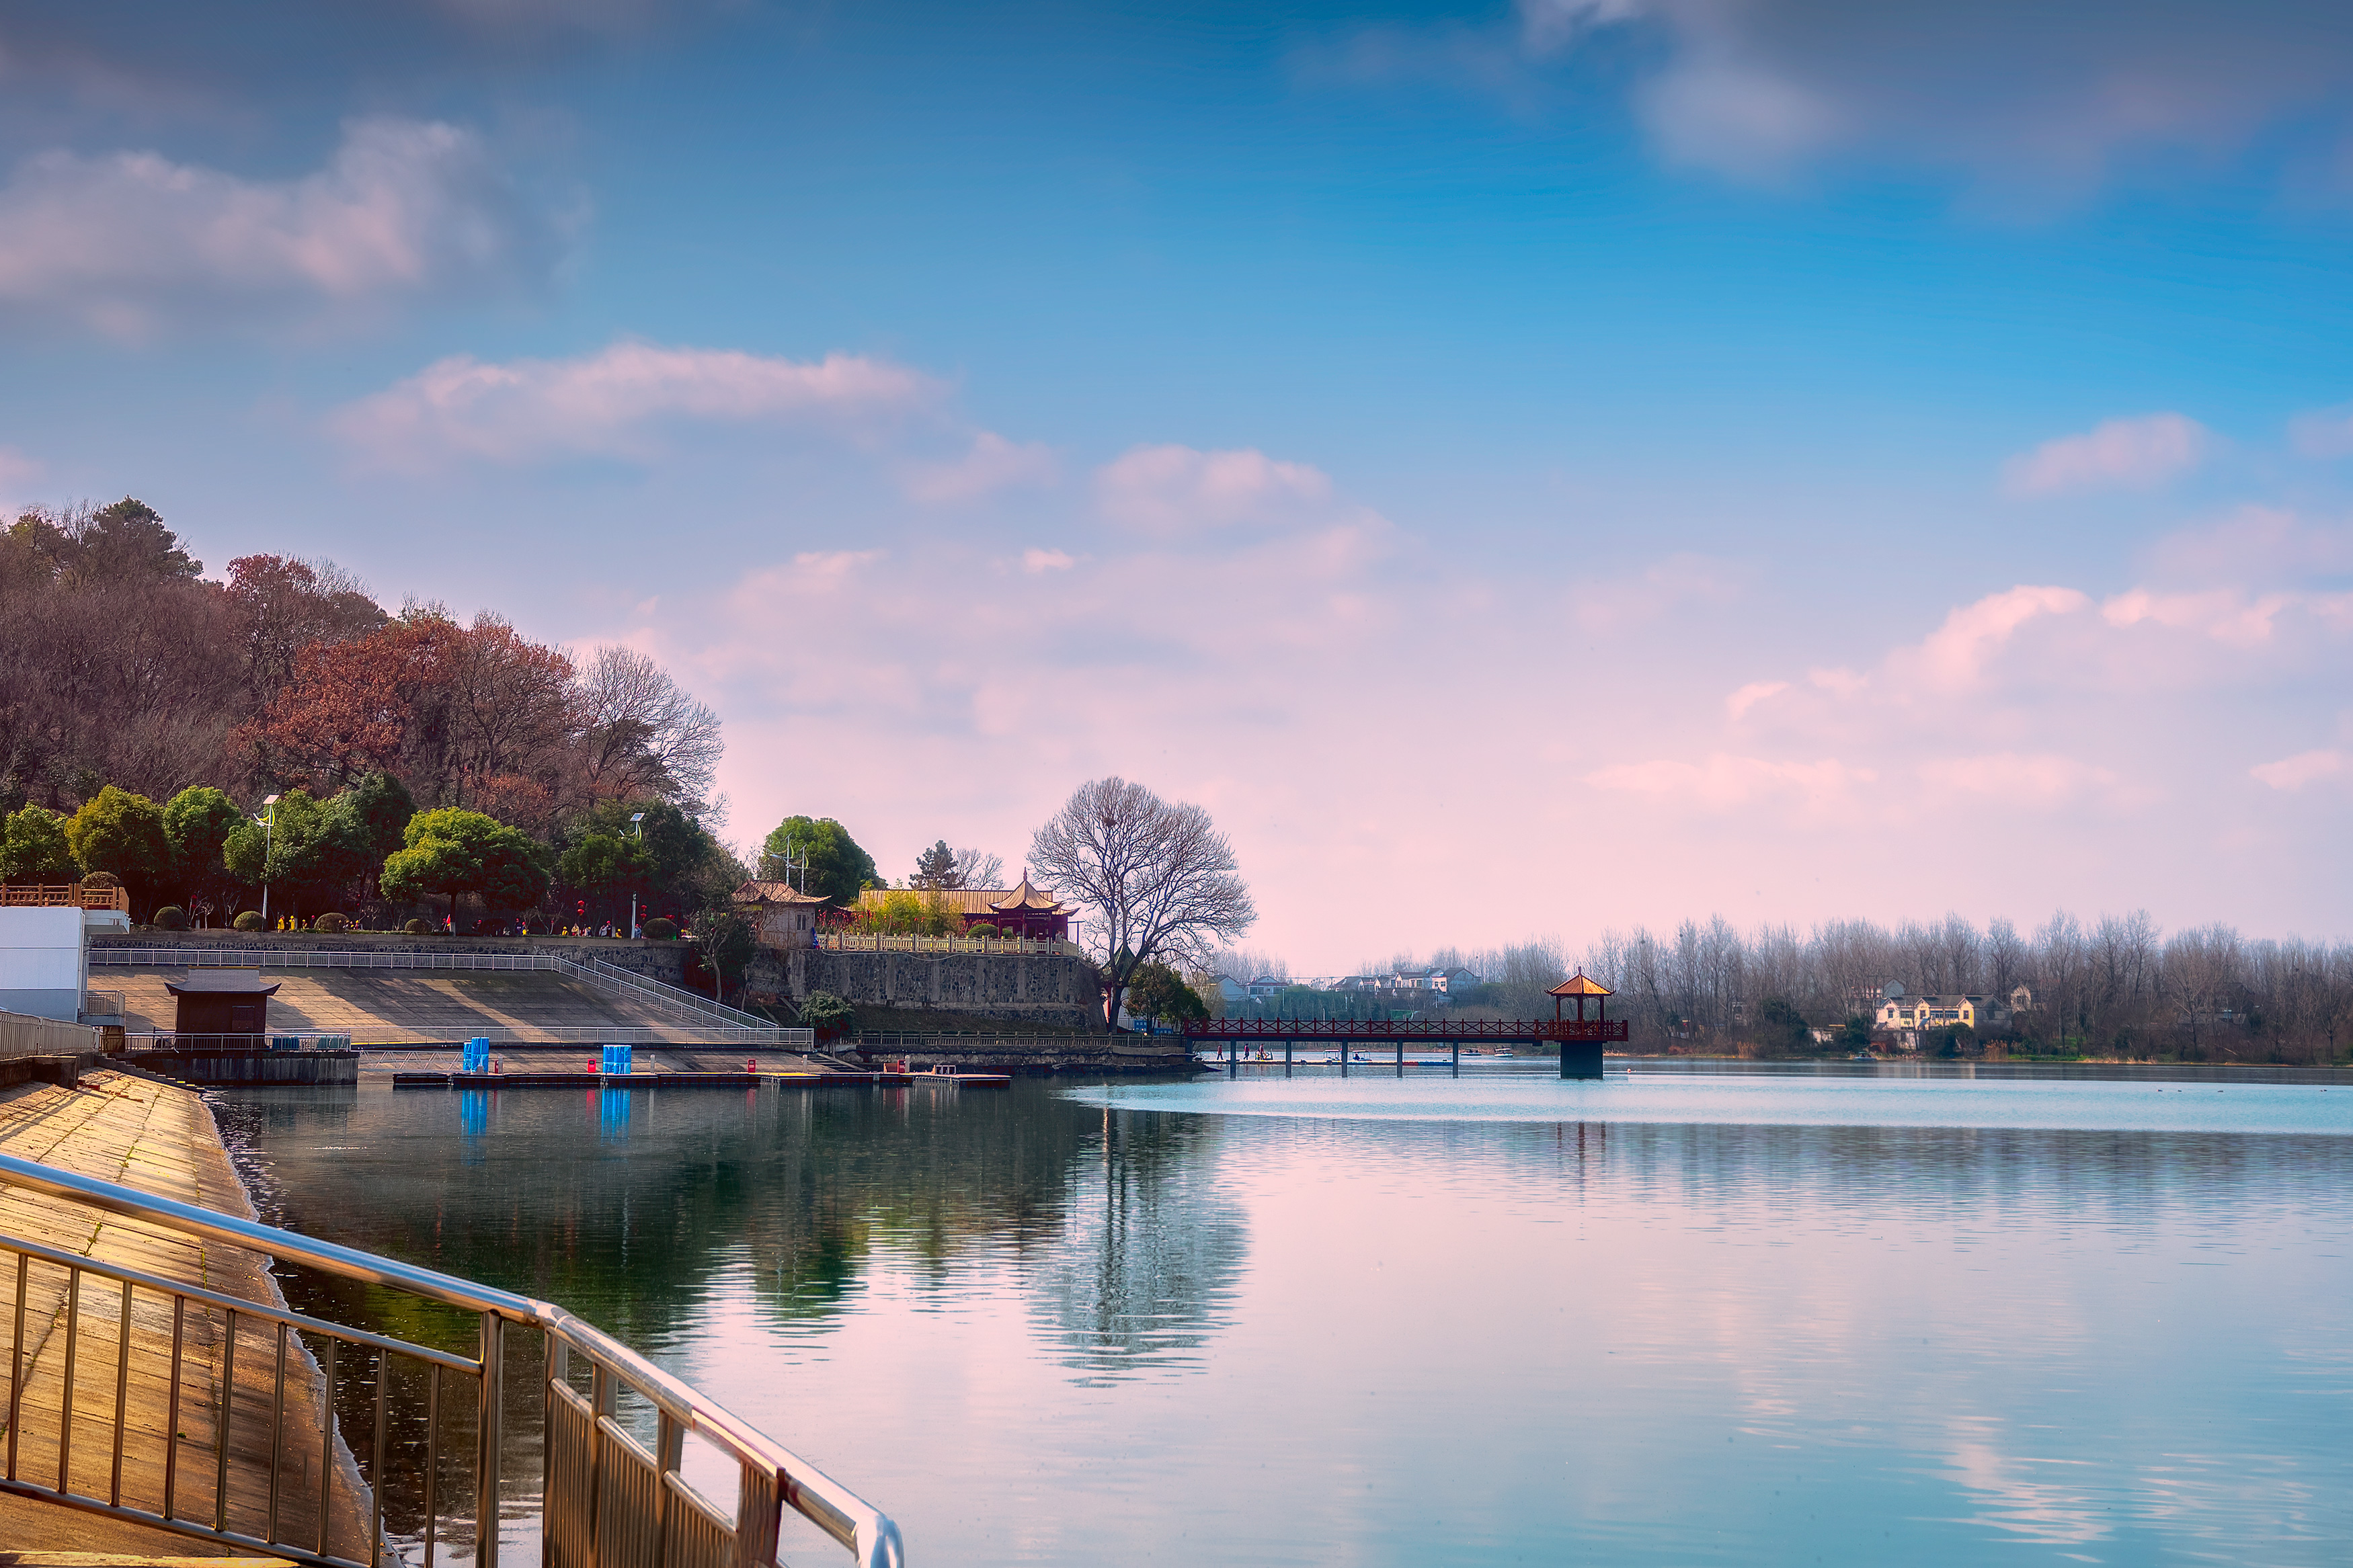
x,y
23,1034
1009,946
726,1023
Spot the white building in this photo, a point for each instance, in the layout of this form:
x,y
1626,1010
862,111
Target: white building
x,y
45,949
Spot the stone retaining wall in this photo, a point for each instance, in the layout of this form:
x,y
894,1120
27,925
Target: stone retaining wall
x,y
1040,990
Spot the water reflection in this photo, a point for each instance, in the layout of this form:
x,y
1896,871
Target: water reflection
x,y
1046,1329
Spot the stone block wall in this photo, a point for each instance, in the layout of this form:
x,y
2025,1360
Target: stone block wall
x,y
1040,990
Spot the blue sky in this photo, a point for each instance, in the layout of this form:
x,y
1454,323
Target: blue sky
x,y
1610,458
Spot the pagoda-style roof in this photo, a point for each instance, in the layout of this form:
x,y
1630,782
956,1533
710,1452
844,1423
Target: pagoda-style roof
x,y
773,893
1026,897
1581,985
222,983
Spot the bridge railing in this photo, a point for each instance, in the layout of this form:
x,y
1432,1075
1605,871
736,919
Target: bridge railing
x,y
1356,1029
606,1497
1012,946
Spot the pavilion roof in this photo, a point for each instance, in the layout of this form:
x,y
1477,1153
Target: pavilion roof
x,y
1581,985
1026,897
773,893
222,983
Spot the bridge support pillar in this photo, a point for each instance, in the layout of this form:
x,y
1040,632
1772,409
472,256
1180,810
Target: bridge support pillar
x,y
1344,1058
1580,1059
1456,1050
1286,1058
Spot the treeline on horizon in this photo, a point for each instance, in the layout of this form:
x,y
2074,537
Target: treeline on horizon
x,y
2116,986
149,712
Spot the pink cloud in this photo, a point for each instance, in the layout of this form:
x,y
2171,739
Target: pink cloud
x,y
2038,780
132,242
1724,781
1954,656
2293,773
610,402
1736,705
2119,454
1036,560
1173,489
993,464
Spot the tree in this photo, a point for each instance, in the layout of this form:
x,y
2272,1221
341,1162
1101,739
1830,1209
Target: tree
x,y
33,847
307,851
1780,1030
935,868
837,869
907,911
827,1013
641,733
373,814
123,832
1160,877
198,821
281,606
608,867
726,944
1158,992
452,851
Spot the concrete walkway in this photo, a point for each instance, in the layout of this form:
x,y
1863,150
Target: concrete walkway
x,y
160,1139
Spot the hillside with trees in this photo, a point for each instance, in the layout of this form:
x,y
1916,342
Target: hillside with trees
x,y
151,711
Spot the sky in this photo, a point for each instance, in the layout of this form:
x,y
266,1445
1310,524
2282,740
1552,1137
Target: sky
x,y
1523,470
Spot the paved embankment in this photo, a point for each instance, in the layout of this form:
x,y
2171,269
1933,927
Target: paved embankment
x,y
158,1138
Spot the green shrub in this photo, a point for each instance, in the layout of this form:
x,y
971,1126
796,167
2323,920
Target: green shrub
x,y
331,920
416,928
249,921
828,1015
983,929
660,929
171,917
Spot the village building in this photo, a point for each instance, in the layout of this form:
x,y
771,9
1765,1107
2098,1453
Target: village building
x,y
780,916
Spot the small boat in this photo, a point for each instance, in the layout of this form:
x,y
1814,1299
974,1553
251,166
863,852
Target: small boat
x,y
958,1074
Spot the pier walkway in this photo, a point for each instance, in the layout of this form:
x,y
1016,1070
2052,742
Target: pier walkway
x,y
159,1139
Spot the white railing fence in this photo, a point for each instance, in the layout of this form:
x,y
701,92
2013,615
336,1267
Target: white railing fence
x,y
23,1034
1008,946
730,1023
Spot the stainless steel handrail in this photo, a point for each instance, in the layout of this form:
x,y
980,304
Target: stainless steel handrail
x,y
772,1474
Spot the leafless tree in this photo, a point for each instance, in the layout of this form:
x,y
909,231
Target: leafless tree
x,y
975,869
641,733
1160,878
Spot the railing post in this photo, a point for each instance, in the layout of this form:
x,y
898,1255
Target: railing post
x,y
759,1517
485,1460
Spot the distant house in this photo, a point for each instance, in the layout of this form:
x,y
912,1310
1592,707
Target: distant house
x,y
1227,990
779,916
1268,986
1420,980
1902,1012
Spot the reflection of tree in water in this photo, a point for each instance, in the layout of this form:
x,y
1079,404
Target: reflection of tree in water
x,y
1148,1253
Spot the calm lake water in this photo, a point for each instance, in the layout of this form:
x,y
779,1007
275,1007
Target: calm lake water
x,y
1668,1316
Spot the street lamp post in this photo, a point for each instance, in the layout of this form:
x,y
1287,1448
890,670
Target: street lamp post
x,y
269,839
639,822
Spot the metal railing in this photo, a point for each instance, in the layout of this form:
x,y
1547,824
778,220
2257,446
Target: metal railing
x,y
102,1004
24,1034
606,1501
622,983
877,941
347,1039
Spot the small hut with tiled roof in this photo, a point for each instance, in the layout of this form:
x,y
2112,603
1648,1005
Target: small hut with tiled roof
x,y
782,917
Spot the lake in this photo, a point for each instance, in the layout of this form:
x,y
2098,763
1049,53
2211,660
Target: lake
x,y
1669,1317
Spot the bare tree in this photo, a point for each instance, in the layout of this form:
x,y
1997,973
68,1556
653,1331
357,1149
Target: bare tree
x,y
1160,876
640,732
975,869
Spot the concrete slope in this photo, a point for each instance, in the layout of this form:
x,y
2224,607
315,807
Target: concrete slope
x,y
374,1005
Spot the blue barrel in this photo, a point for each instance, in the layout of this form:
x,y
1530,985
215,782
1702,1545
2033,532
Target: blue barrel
x,y
478,1055
617,1060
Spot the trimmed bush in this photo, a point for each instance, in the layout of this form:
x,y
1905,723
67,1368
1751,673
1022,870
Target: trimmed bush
x,y
249,921
983,929
171,917
416,928
331,920
660,929
829,1016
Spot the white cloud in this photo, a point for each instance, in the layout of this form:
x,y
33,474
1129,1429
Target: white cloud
x,y
1036,561
2255,543
1724,781
131,242
994,463
2119,454
2226,615
1173,490
2306,767
1734,117
1953,658
610,402
2029,779
1736,705
1840,681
